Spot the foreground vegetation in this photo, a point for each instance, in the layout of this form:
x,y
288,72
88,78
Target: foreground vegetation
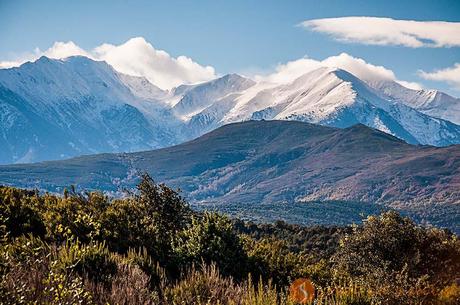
x,y
151,248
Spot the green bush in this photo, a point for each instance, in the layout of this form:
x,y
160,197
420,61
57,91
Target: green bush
x,y
19,212
76,216
122,226
151,219
91,260
272,259
211,239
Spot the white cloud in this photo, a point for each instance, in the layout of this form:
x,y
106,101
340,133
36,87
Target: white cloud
x,y
449,75
359,67
9,64
388,31
64,49
58,50
289,71
410,85
135,57
138,57
285,73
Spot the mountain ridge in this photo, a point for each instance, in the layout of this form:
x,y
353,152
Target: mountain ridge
x,y
431,102
79,106
263,166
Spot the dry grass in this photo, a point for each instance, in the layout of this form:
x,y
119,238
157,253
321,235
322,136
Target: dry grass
x,y
129,286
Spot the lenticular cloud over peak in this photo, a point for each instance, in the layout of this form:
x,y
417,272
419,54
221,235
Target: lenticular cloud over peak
x,y
388,31
135,57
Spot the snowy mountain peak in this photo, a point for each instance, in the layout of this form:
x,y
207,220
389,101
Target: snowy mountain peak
x,y
43,59
235,79
56,81
316,73
142,88
336,97
195,98
326,76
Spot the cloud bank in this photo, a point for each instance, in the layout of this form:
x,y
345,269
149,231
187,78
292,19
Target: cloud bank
x,y
366,71
135,57
449,75
388,31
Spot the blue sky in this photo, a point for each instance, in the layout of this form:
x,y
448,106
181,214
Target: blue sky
x,y
231,36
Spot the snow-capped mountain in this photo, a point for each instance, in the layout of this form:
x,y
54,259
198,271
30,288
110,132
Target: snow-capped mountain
x,y
431,102
202,106
196,98
54,109
331,97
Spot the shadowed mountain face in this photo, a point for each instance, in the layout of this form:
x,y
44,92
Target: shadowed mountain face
x,y
273,162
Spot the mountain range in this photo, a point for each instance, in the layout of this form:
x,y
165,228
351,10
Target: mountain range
x,y
260,166
56,109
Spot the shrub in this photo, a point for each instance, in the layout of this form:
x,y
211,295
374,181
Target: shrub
x,y
75,217
345,294
92,260
271,259
88,249
166,214
211,238
399,260
123,226
156,274
450,294
30,274
19,212
150,220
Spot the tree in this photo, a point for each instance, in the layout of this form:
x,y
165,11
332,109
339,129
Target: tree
x,y
151,219
165,214
167,208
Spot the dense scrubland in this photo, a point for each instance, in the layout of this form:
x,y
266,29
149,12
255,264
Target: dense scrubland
x,y
151,248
